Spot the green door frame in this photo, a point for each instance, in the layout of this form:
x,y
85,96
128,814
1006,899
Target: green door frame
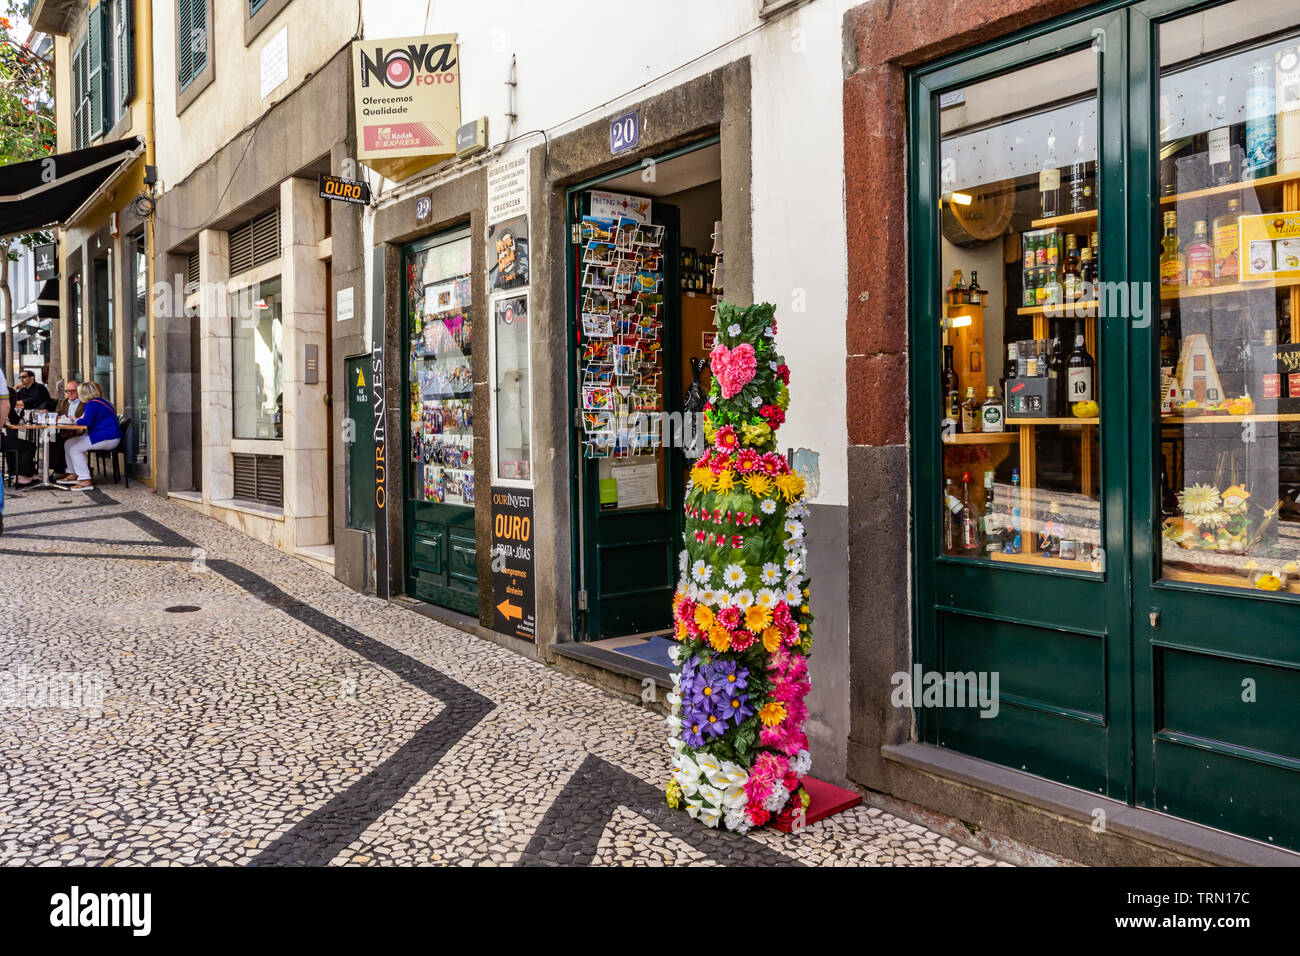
x,y
573,214
450,596
1152,761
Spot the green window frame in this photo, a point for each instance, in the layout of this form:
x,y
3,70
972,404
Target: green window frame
x,y
124,52
191,56
99,70
80,105
255,5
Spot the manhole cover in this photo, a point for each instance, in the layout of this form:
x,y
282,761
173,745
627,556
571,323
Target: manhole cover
x,y
182,608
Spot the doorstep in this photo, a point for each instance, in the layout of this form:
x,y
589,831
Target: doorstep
x,y
319,556
606,656
1136,824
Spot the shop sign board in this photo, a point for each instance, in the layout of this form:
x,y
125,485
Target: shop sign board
x,y
624,132
514,579
46,261
379,431
344,190
407,102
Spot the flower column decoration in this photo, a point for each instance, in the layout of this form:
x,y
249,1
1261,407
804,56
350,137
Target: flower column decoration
x,y
741,610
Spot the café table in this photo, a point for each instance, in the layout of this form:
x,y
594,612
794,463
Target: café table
x,y
43,438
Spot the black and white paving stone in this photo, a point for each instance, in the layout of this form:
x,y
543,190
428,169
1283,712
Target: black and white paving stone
x,y
226,704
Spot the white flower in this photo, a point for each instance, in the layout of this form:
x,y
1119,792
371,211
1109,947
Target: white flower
x,y
771,573
710,816
744,599
690,785
797,510
693,592
733,576
675,655
674,701
768,506
773,365
793,527
756,401
710,794
768,331
776,799
793,597
683,560
731,775
674,723
734,797
736,820
708,596
733,329
700,571
794,581
802,763
792,562
708,764
767,598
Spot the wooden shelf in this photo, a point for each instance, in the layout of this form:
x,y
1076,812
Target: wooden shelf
x,y
1065,310
981,438
1227,580
1070,219
1263,183
1224,419
1037,560
1262,285
1031,422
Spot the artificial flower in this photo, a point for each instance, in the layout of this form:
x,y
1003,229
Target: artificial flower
x,y
700,571
772,713
771,573
768,506
757,617
744,599
758,485
733,575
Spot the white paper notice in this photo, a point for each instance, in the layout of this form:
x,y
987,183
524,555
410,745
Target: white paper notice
x,y
275,62
507,189
343,309
638,485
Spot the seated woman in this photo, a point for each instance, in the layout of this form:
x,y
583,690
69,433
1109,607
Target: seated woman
x,y
102,434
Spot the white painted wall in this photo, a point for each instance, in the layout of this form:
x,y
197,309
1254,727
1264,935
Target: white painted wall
x,y
577,61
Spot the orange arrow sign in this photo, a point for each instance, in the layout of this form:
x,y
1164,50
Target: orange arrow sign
x,y
509,610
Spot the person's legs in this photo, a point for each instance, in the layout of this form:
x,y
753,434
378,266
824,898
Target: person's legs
x,y
26,457
58,463
75,448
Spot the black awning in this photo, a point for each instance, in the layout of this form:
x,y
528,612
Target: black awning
x,y
47,300
38,193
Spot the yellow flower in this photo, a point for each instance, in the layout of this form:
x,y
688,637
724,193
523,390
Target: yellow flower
x,y
771,640
758,485
790,486
726,480
1268,582
680,633
702,477
703,617
803,627
804,609
719,638
752,434
674,794
772,713
709,430
757,617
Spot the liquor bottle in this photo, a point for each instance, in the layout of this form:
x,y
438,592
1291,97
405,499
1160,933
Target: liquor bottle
x,y
956,288
970,411
1087,274
951,393
1029,245
993,529
1200,258
991,413
1030,298
1079,368
1070,269
1225,146
1008,375
1168,340
1173,267
1049,182
1081,180
1056,372
1261,123
1053,291
974,294
1049,538
970,534
951,515
1227,251
1011,543
1094,242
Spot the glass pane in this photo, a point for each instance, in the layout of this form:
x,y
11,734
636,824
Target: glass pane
x,y
1228,259
442,385
513,457
257,339
1020,364
140,353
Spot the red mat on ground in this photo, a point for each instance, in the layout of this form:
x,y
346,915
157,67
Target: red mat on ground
x,y
825,799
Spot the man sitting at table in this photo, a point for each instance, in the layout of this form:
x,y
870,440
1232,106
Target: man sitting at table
x,y
69,406
15,440
32,394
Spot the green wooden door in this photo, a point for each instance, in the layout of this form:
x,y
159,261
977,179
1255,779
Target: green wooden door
x,y
437,429
1050,624
630,507
1216,521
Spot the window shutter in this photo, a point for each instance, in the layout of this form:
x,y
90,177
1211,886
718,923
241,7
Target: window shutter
x,y
191,39
95,71
125,53
79,116
255,242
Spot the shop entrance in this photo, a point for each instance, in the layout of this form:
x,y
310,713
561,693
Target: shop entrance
x,y
641,296
1106,447
438,427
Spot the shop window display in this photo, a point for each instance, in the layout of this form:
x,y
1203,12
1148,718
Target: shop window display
x,y
1020,378
441,455
1228,183
257,339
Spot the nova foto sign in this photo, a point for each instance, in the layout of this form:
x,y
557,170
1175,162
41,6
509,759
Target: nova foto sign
x,y
407,102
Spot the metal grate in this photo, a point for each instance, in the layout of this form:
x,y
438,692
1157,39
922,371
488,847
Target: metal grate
x,y
192,267
255,242
260,478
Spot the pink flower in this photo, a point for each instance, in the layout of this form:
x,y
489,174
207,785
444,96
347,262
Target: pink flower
x,y
746,460
725,440
772,464
781,615
730,617
733,368
741,638
757,815
783,373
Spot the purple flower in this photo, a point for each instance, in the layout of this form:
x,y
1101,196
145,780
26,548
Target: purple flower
x,y
691,735
716,726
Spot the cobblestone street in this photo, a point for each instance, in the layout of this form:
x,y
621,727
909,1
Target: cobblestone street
x,y
256,711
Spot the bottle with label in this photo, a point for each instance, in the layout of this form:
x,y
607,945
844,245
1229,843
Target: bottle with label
x,y
1079,367
1261,123
1053,291
1049,541
1056,372
1173,267
970,522
1008,376
992,520
1227,244
1094,242
1011,541
1224,146
1168,340
1200,258
974,294
1031,290
1271,383
951,518
1081,180
951,394
991,412
1071,268
956,288
1049,182
1087,274
1029,246
970,411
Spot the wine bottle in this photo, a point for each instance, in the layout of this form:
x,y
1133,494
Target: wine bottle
x,y
1079,368
951,395
1049,182
1261,123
